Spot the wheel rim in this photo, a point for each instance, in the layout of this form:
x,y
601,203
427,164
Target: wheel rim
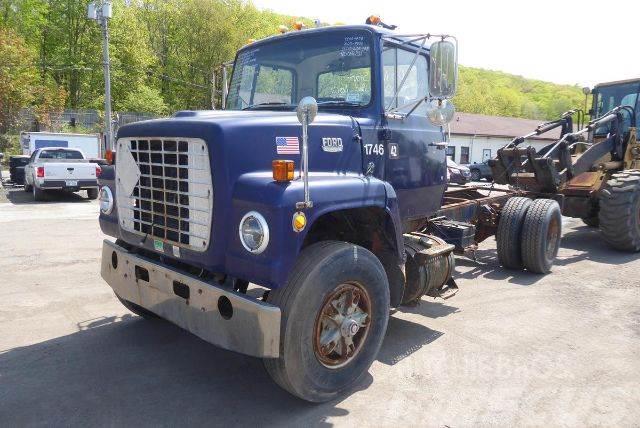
x,y
342,325
553,233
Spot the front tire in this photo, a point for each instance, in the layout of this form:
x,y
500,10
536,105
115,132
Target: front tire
x,y
620,211
335,310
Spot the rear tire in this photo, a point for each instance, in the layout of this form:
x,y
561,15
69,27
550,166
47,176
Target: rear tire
x,y
305,367
541,235
38,195
137,309
620,211
509,231
92,193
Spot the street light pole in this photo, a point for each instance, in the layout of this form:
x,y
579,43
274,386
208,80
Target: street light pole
x,y
101,11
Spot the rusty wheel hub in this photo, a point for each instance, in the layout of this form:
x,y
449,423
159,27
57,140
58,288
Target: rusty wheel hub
x,y
341,327
552,238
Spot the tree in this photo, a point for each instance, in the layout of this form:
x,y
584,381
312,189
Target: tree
x,y
18,77
145,99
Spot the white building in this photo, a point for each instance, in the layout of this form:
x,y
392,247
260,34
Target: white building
x,y
477,137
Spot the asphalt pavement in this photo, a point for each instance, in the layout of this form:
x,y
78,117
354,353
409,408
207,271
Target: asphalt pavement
x,y
512,348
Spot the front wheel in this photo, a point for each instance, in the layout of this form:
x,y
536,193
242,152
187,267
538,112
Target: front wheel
x,y
335,310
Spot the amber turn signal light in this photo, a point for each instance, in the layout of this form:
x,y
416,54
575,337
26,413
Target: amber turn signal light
x,y
282,170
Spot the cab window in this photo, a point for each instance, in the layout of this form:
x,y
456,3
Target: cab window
x,y
396,63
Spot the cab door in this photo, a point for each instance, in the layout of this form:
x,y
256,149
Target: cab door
x,y
415,161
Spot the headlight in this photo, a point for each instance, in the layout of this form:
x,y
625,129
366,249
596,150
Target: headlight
x,y
106,200
254,232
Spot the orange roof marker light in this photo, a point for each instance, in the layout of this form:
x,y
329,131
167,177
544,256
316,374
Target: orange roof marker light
x,y
299,25
373,20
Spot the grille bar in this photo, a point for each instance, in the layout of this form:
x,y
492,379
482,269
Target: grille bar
x,y
173,197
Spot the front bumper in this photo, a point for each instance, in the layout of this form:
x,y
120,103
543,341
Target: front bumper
x,y
197,306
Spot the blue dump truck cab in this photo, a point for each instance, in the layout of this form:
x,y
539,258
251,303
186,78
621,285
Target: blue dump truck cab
x,y
289,224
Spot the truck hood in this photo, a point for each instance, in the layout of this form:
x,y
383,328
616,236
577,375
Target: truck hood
x,y
245,141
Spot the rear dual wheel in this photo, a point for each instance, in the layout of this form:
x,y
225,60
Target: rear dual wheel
x,y
541,233
335,311
529,234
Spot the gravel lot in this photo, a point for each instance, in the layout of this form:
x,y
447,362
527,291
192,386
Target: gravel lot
x,y
510,349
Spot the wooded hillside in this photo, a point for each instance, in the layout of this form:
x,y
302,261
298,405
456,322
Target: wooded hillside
x,y
164,51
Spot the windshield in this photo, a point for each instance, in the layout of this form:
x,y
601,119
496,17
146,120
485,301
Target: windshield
x,y
333,67
60,154
612,96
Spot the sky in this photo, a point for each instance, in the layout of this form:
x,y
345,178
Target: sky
x,y
560,41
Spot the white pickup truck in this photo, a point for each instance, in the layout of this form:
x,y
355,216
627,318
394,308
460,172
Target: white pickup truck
x,y
63,169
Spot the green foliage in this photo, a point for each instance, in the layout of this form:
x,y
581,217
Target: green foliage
x,y
496,93
22,86
145,99
164,53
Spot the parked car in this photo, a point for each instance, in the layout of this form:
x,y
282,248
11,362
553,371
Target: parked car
x,y
62,169
480,171
16,169
457,173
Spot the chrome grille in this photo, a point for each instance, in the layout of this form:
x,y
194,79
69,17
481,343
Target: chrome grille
x,y
172,199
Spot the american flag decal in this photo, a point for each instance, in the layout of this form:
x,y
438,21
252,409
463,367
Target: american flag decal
x,y
287,146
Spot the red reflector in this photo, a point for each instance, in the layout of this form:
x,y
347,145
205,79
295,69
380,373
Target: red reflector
x,y
98,170
40,172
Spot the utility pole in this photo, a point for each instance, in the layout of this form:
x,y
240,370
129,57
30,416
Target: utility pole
x,y
101,11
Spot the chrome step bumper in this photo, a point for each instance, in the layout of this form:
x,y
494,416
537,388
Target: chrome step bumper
x,y
220,316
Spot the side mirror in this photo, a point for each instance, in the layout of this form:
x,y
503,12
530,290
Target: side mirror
x,y
443,69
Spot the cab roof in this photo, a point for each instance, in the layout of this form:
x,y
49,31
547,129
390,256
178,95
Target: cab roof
x,y
374,29
618,82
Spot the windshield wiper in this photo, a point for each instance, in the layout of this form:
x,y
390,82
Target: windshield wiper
x,y
267,104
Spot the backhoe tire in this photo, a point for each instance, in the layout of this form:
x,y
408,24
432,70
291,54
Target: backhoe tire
x,y
541,235
92,193
591,221
317,362
138,310
509,231
620,211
